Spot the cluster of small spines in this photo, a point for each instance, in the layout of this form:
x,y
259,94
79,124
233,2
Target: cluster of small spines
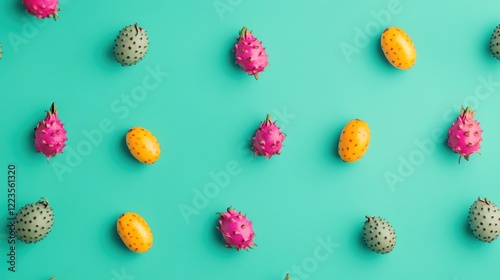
x,y
392,48
44,11
480,230
275,138
469,129
26,219
237,217
133,243
138,153
375,233
50,128
44,130
246,38
353,154
127,34
495,43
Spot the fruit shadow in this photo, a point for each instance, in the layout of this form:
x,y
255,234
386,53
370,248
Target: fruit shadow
x,y
27,135
380,56
115,242
471,241
104,49
19,245
218,244
360,248
442,144
18,7
245,149
123,152
234,68
333,144
487,50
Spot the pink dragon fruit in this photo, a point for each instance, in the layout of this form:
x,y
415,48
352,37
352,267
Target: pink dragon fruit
x,y
464,136
50,135
268,139
42,8
236,230
250,55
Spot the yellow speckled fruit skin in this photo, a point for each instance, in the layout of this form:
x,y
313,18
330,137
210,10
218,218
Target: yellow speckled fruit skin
x,y
134,232
354,140
398,48
143,145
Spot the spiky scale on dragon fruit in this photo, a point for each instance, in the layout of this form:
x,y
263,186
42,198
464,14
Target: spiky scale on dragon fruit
x,y
268,139
236,230
50,135
464,136
250,54
42,8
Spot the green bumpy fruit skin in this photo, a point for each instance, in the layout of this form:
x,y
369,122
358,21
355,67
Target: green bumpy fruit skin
x,y
131,45
495,43
379,235
34,221
484,220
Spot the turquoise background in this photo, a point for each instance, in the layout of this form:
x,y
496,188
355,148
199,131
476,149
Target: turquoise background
x,y
206,111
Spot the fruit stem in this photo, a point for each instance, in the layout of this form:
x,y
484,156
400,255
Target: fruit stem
x,y
486,201
136,29
268,118
256,75
287,277
45,201
243,31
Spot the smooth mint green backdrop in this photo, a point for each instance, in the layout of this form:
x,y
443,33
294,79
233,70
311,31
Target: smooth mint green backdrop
x,y
326,69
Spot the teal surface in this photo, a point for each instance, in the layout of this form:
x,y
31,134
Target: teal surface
x,y
308,206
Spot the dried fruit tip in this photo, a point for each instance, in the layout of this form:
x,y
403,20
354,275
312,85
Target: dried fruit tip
x,y
287,277
53,108
44,201
243,31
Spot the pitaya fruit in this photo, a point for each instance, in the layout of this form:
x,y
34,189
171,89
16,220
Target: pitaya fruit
x,y
34,221
50,135
250,55
484,217
131,45
236,230
464,136
268,139
42,8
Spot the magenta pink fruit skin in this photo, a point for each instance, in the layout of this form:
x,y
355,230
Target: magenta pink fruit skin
x,y
268,139
236,230
50,136
464,136
250,55
41,8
